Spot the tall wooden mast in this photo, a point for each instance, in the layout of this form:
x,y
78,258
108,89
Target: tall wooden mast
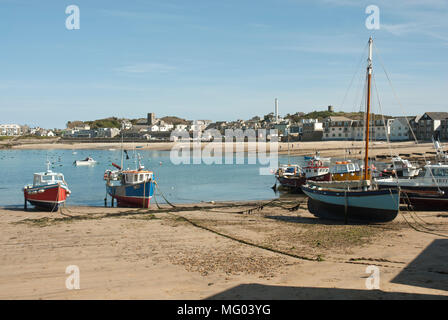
x,y
369,77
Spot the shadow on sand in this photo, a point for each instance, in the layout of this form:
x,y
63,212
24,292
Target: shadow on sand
x,y
264,292
434,261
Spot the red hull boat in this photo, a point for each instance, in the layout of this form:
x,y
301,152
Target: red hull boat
x,y
48,191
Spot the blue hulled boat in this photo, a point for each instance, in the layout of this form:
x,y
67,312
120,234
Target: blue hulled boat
x,y
363,205
131,188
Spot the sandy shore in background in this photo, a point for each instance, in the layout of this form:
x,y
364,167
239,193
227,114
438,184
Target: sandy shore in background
x,y
326,148
211,251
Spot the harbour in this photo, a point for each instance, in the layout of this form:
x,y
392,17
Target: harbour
x,y
287,150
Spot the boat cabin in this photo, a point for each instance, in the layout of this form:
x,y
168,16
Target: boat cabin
x,y
289,170
47,178
439,172
135,177
315,168
344,167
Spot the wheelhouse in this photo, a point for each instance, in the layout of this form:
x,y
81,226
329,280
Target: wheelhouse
x,y
47,178
344,167
135,177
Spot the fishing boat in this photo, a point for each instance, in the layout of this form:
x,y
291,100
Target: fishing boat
x,y
317,157
364,204
428,192
400,168
292,177
86,162
48,191
130,188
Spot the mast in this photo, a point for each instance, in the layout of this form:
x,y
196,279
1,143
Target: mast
x,y
122,149
288,149
369,76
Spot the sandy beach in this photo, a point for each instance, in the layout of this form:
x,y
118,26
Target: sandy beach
x,y
219,251
349,149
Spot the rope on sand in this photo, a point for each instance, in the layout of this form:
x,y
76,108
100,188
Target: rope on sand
x,y
243,241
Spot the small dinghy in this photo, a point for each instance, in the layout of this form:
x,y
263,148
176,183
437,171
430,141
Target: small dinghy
x,y
86,162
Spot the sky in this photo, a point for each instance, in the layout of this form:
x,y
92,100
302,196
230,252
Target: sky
x,y
217,60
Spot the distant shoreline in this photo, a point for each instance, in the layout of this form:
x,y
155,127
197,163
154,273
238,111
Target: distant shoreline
x,y
349,149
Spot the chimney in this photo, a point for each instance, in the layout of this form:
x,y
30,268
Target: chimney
x,y
276,110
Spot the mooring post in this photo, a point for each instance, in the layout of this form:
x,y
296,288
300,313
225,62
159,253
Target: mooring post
x,y
346,207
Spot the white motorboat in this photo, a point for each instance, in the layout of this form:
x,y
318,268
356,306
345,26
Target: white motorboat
x,y
86,162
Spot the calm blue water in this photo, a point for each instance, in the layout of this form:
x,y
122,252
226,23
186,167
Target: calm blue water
x,y
180,183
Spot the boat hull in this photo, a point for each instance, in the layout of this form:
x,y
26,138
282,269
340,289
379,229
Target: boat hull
x,y
48,197
136,196
84,163
366,206
423,198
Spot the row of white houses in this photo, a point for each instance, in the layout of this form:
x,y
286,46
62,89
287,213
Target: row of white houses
x,y
342,128
10,130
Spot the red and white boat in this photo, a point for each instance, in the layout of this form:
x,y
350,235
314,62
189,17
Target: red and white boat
x,y
48,191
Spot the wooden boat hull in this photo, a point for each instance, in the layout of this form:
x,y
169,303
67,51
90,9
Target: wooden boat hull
x,y
135,196
48,197
367,206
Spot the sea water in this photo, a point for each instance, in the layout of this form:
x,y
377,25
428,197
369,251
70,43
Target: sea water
x,y
180,183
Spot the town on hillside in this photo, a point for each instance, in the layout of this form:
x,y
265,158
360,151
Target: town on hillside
x,y
315,126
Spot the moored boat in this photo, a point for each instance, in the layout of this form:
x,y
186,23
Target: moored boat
x,y
400,168
293,177
48,191
428,192
353,205
86,162
366,203
346,171
130,188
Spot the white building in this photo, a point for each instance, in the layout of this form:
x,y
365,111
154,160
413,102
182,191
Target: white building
x,y
107,132
341,128
10,130
337,128
126,125
399,129
166,127
199,125
180,127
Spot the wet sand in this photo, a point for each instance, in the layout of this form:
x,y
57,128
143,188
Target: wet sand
x,y
219,251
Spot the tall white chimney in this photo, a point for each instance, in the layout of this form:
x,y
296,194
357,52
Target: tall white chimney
x,y
276,110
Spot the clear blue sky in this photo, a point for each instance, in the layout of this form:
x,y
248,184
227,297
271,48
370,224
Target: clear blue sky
x,y
218,60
